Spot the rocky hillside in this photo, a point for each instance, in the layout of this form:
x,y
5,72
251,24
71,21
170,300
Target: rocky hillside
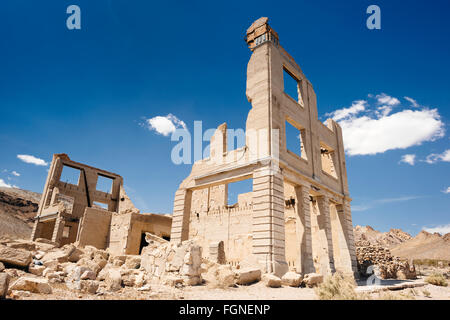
x,y
401,244
17,208
425,246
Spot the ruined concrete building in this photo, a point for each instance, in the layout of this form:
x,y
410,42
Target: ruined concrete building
x,y
74,208
298,215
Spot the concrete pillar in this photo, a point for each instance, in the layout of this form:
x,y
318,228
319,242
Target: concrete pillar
x,y
348,231
181,215
268,220
58,230
36,232
325,224
304,219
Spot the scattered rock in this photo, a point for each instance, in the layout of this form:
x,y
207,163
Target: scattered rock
x,y
36,270
271,280
15,257
292,279
2,267
312,279
113,280
35,285
4,283
248,275
19,294
133,262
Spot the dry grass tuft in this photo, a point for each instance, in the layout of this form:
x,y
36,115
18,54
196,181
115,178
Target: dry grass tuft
x,y
337,287
436,279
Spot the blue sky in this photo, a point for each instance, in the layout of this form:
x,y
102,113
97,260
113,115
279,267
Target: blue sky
x,y
89,92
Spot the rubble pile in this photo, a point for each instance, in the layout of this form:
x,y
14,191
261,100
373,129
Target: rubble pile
x,y
385,266
37,267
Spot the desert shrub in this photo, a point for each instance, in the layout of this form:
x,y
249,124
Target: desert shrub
x,y
436,279
337,287
426,293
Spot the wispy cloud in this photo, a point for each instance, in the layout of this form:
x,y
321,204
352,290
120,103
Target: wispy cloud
x,y
446,190
413,102
378,202
442,229
436,157
371,128
32,159
384,99
15,173
408,158
356,107
165,125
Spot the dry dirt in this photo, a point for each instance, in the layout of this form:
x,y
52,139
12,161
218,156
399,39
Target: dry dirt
x,y
17,208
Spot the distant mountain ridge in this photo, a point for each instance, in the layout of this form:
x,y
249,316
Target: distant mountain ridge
x,y
17,209
401,244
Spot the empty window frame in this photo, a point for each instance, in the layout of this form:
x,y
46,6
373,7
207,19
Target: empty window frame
x,y
70,175
292,86
238,188
104,184
295,139
101,205
328,160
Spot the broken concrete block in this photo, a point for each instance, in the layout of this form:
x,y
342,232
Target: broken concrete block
x,y
292,279
271,281
35,285
312,279
113,280
88,286
36,270
75,255
248,275
88,275
4,283
15,257
133,262
19,294
22,244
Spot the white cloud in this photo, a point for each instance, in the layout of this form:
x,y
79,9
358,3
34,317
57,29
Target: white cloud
x,y
408,158
383,111
356,107
435,157
14,173
377,202
387,100
366,135
446,190
442,229
6,185
165,125
32,159
413,102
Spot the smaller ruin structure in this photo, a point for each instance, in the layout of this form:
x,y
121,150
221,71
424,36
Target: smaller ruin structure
x,y
77,211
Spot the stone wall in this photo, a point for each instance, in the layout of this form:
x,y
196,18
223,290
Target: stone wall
x,y
385,265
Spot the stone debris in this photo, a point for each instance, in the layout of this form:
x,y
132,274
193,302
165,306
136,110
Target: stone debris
x,y
248,275
292,279
35,285
312,279
4,283
384,265
15,257
271,281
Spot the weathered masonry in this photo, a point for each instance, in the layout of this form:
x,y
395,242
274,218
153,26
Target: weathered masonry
x,y
89,206
297,215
